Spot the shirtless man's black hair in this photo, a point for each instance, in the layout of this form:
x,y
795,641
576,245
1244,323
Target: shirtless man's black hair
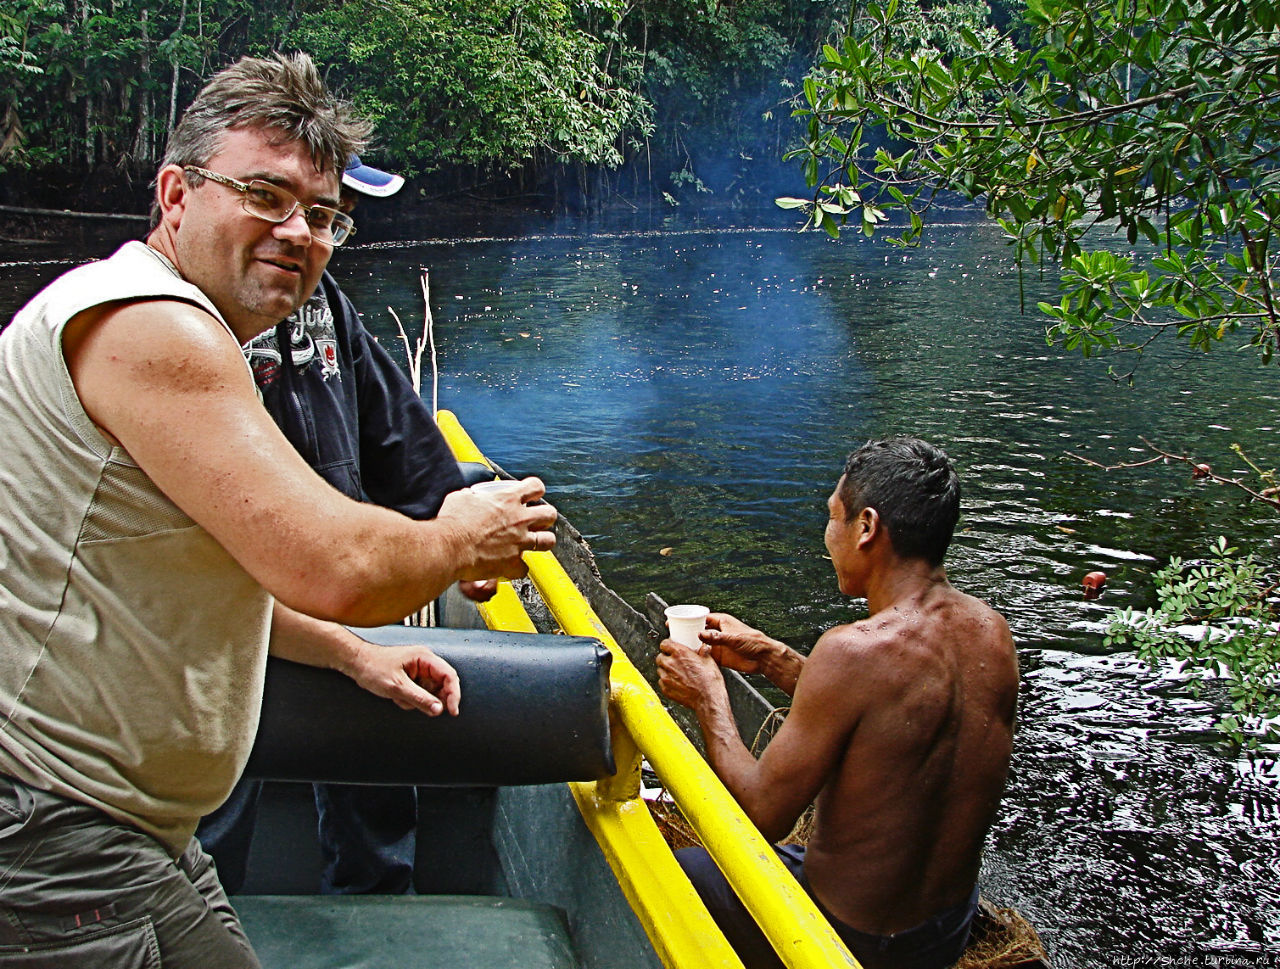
x,y
915,488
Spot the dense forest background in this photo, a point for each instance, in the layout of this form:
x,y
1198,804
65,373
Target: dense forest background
x,y
565,104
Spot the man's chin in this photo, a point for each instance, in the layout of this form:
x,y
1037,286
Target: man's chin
x,y
263,303
259,315
278,301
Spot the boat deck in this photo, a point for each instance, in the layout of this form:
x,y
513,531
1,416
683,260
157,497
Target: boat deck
x,y
421,931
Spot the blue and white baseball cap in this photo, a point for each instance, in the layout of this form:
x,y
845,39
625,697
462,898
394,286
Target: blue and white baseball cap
x,y
370,181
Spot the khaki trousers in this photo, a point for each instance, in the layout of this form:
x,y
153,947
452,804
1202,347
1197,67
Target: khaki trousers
x,y
80,890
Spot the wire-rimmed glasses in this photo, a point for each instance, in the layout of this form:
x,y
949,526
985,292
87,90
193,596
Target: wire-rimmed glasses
x,y
271,203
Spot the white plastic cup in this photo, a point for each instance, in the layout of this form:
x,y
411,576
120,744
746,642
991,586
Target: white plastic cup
x,y
685,622
499,485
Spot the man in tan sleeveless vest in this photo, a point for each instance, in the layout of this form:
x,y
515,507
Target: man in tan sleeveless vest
x,y
157,533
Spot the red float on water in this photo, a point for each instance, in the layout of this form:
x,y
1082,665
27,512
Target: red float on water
x,y
1093,584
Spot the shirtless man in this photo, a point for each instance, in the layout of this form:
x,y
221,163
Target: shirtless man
x,y
901,726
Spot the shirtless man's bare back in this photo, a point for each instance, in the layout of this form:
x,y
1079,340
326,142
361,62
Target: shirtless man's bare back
x,y
901,725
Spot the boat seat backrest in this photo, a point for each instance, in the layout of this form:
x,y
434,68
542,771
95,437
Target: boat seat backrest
x,y
534,710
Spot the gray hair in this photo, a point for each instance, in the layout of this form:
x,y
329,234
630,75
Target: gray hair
x,y
284,92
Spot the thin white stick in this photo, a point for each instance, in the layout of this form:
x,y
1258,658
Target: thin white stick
x,y
429,334
414,359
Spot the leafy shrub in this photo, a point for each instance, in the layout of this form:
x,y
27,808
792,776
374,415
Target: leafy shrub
x,y
1217,619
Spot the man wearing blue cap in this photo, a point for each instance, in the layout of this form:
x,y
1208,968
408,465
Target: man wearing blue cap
x,y
352,414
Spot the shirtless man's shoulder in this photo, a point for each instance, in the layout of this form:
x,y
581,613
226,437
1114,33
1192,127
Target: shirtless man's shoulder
x,y
928,634
910,670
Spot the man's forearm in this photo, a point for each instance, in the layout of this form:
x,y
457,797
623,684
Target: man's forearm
x,y
315,642
384,571
411,676
736,766
728,755
781,666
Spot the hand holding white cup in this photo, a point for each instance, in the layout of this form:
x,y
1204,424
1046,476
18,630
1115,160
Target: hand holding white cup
x,y
543,541
685,622
496,486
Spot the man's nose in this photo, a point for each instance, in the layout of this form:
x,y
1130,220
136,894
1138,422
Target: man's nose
x,y
294,229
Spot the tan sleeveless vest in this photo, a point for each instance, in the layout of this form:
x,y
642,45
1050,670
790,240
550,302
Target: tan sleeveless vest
x,y
132,646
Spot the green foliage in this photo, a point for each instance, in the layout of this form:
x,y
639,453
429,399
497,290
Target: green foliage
x,y
94,80
500,82
475,83
15,59
1156,122
496,82
691,90
1217,618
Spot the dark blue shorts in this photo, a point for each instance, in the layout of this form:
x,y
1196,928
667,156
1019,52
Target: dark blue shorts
x,y
933,944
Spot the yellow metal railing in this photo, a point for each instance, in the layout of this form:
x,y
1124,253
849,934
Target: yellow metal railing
x,y
677,923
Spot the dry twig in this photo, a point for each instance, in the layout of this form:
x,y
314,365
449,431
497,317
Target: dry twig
x,y
413,352
1267,496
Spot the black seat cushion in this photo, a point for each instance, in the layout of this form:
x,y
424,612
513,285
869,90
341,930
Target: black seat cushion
x,y
534,711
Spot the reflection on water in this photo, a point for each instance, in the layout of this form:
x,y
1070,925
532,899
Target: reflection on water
x,y
698,392
1124,834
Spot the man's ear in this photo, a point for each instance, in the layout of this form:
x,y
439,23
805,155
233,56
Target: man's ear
x,y
171,195
867,526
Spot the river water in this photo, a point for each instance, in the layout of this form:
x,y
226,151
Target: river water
x,y
689,394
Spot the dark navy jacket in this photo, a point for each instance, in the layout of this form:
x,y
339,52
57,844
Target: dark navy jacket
x,y
350,410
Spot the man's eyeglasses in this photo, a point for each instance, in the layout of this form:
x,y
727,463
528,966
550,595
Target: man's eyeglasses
x,y
271,203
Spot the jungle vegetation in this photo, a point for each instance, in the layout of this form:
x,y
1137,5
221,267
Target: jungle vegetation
x,y
681,95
